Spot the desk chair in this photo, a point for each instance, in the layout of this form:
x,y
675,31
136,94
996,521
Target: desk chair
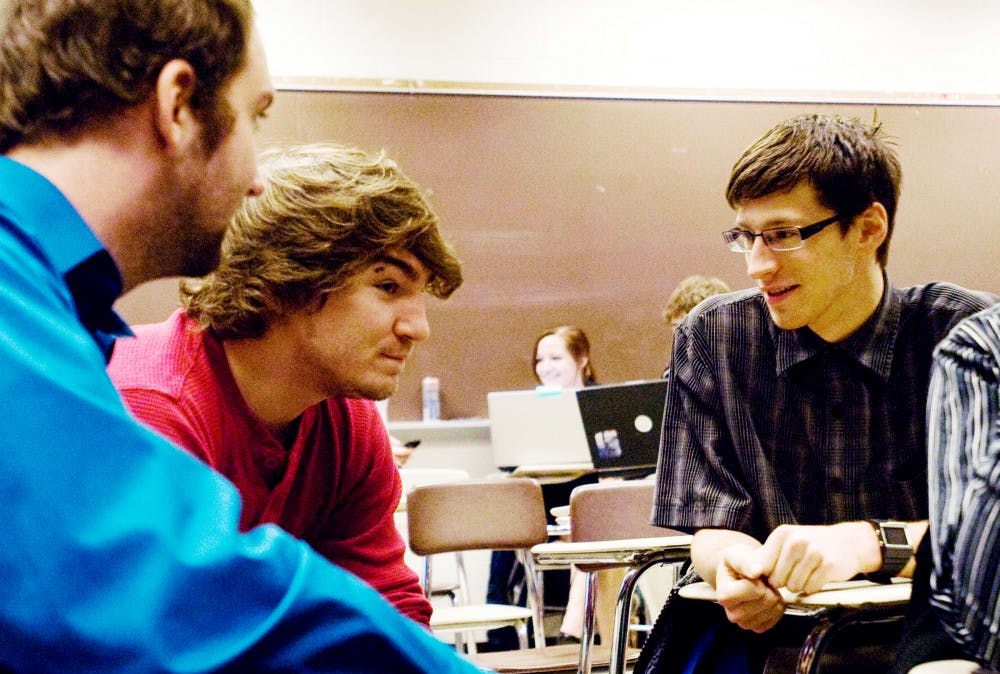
x,y
484,514
836,607
450,579
609,529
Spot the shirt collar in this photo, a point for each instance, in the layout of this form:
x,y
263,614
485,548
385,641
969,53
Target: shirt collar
x,y
45,217
871,345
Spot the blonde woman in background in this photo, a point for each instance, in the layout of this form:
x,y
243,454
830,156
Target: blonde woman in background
x,y
687,295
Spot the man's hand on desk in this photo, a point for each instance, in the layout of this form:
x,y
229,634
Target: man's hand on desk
x,y
749,602
801,559
805,558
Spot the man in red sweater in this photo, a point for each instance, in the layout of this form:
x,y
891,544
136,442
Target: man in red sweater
x,y
269,370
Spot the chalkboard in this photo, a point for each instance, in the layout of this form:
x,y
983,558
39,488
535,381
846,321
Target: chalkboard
x,y
589,211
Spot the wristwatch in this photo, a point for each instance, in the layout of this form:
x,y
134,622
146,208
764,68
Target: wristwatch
x,y
894,544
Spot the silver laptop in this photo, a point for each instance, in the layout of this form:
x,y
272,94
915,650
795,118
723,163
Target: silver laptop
x,y
538,432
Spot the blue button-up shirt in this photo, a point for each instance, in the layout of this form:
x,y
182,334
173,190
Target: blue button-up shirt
x,y
120,552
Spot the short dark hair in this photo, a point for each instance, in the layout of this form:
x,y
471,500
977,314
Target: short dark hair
x,y
850,164
63,64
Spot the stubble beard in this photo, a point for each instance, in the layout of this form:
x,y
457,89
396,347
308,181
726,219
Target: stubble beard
x,y
372,390
200,227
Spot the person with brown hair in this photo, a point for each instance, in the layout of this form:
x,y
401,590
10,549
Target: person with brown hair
x,y
561,357
127,129
269,371
794,442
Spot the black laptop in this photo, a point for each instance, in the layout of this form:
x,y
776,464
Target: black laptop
x,y
622,423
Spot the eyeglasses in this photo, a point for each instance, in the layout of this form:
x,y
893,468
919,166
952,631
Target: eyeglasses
x,y
779,238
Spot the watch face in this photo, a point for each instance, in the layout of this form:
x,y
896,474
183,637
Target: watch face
x,y
894,535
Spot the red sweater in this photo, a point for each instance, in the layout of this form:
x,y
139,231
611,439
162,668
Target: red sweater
x,y
336,488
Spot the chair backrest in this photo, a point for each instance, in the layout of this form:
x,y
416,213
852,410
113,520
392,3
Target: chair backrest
x,y
449,572
609,511
414,477
481,514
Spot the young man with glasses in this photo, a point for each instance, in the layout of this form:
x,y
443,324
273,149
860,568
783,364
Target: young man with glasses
x,y
794,423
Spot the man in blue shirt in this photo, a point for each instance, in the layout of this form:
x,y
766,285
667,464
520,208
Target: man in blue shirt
x,y
127,129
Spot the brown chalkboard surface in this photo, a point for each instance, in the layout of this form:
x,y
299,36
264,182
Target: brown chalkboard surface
x,y
588,211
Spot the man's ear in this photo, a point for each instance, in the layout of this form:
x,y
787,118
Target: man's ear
x,y
175,121
873,226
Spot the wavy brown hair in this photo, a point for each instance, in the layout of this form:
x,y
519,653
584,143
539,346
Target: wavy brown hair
x,y
63,64
327,211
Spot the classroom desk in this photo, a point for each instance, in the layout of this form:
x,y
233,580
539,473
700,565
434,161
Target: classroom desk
x,y
637,554
452,443
836,606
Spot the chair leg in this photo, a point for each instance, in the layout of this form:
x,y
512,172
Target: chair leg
x,y
619,637
427,576
522,634
589,620
536,600
462,577
470,642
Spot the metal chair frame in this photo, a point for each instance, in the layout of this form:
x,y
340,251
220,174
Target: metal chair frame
x,y
482,514
609,529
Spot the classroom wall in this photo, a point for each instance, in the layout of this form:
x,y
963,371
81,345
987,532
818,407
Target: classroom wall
x,y
588,211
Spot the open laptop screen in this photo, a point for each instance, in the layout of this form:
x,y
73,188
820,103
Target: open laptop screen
x,y
538,428
622,424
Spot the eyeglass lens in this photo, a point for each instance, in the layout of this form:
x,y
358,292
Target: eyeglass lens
x,y
783,238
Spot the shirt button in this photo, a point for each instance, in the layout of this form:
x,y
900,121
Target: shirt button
x,y
272,462
838,412
836,484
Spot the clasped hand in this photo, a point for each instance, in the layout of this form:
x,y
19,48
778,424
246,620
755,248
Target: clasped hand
x,y
800,558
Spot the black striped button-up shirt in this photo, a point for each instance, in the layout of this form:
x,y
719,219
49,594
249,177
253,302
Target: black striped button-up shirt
x,y
765,426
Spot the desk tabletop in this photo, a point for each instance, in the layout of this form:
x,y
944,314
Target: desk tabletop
x,y
624,551
553,472
845,593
